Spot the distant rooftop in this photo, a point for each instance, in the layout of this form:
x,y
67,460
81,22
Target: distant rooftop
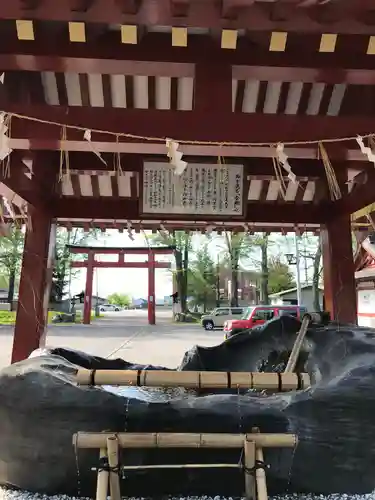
x,y
291,290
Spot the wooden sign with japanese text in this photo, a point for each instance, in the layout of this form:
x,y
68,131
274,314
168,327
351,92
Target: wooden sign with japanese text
x,y
202,189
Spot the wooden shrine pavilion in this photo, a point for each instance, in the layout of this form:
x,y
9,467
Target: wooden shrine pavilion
x,y
270,102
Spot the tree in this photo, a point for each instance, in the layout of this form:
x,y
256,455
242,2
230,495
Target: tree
x,y
11,249
264,268
119,299
279,276
182,242
239,248
202,279
234,244
62,272
311,254
316,277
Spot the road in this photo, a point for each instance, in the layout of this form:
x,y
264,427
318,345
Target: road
x,y
127,335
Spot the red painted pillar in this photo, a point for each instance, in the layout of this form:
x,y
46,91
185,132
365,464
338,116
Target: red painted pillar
x,y
151,288
88,289
338,267
35,285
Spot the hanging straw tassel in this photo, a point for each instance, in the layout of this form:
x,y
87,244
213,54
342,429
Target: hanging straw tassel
x,y
117,159
29,224
64,155
333,184
7,134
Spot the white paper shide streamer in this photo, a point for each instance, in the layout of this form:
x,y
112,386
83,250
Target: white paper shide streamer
x,y
129,228
5,150
367,151
175,156
163,231
9,208
87,137
283,159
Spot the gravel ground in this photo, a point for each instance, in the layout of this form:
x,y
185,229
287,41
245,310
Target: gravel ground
x,y
18,495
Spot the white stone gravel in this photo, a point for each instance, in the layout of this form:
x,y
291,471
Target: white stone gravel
x,y
6,494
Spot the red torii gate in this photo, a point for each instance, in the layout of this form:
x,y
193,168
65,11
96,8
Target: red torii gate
x,y
151,264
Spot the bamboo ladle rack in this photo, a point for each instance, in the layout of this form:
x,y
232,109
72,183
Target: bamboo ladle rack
x,y
252,445
277,382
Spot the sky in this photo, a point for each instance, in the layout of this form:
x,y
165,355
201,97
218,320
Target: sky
x,y
134,281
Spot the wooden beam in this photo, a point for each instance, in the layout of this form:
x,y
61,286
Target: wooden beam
x,y
360,197
132,265
29,189
338,268
154,55
112,209
162,250
35,283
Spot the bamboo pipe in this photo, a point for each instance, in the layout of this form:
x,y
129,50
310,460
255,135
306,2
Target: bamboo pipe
x,y
113,461
260,473
293,358
103,477
277,382
182,440
249,458
180,466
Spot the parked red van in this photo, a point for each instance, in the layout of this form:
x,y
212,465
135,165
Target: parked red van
x,y
257,315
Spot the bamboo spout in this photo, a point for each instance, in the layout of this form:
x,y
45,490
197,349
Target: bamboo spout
x,y
292,361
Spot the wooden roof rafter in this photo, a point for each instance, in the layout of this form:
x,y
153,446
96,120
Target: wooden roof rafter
x,y
291,92
255,15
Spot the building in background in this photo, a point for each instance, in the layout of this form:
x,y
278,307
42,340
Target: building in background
x,y
248,288
364,262
289,297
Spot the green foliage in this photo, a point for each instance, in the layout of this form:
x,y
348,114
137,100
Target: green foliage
x,y
183,243
62,272
178,239
9,317
119,299
11,248
279,276
202,279
239,252
4,281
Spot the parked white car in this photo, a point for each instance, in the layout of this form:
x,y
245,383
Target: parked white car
x,y
109,308
219,316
